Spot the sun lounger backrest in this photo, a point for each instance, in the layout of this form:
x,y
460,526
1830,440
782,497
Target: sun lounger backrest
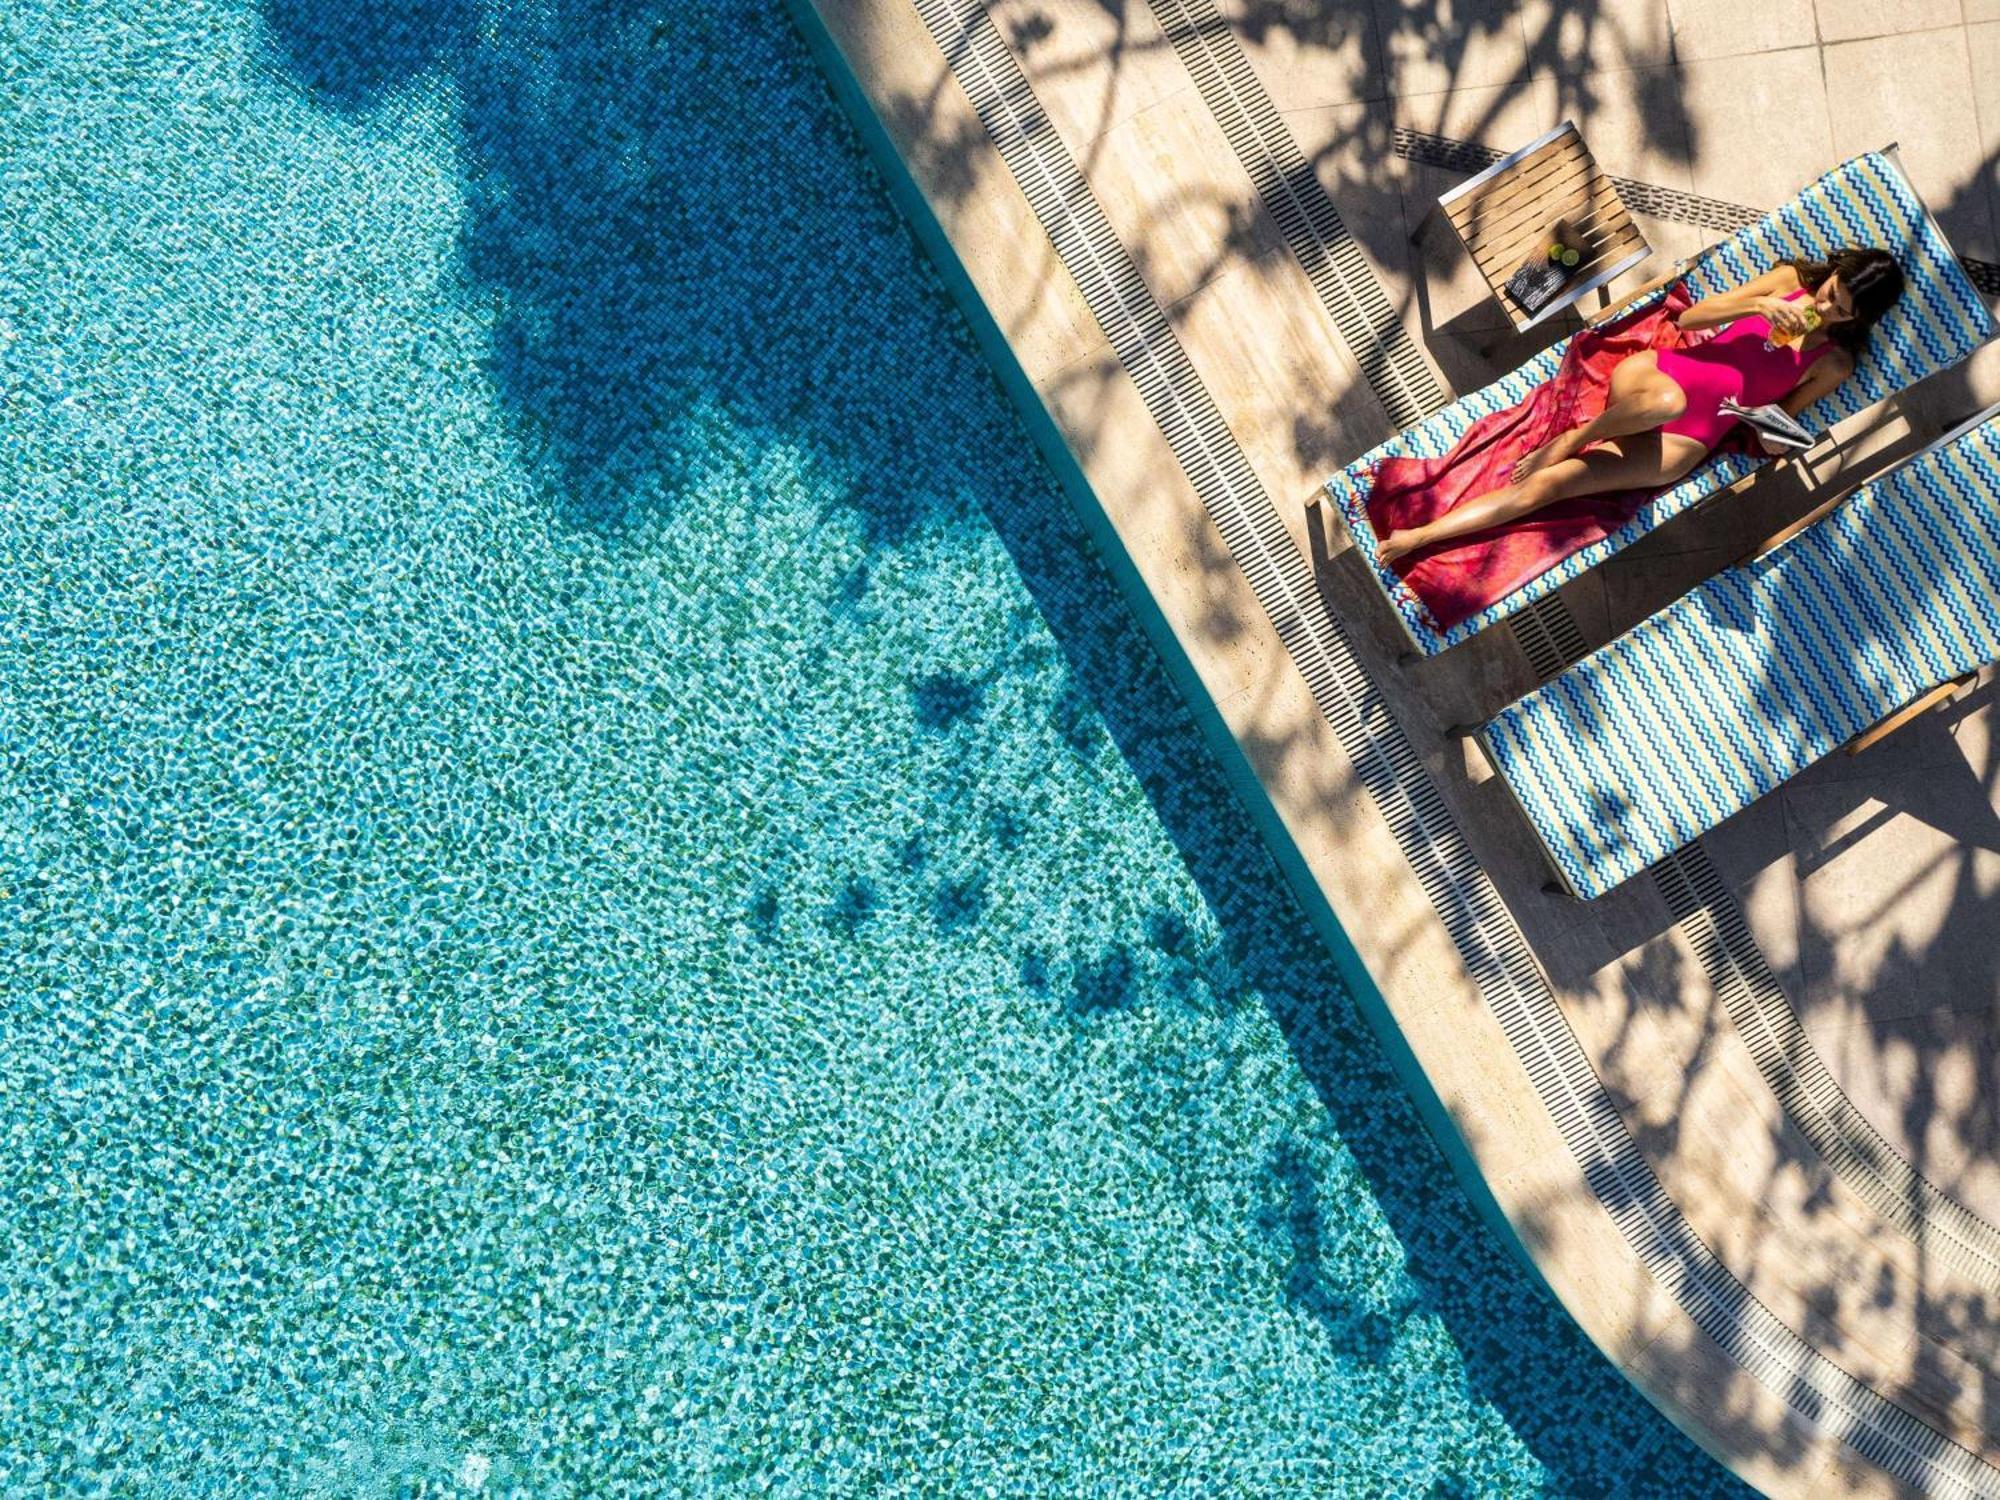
x,y
1940,318
1694,714
1917,553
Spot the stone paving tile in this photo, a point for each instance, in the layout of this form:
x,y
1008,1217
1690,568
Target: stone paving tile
x,y
1960,1130
1091,65
1926,1083
1758,126
1262,343
1972,1040
1307,58
1172,189
1636,588
1437,46
1729,28
1634,121
1568,37
1820,1258
1846,20
1916,89
1983,54
1502,116
1753,853
1891,895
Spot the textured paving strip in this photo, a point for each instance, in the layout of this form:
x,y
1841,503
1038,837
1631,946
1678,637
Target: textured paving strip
x,y
1392,362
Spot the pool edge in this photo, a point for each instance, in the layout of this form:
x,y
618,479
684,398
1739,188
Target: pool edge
x,y
1062,462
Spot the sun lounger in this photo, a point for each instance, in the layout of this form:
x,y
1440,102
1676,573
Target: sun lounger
x,y
1867,201
1877,603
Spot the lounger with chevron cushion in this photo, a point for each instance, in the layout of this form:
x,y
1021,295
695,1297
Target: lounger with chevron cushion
x,y
1740,685
1939,321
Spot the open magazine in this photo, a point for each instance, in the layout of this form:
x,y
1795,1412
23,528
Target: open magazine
x,y
1773,422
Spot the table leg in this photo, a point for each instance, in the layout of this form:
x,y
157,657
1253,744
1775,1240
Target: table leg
x,y
1417,234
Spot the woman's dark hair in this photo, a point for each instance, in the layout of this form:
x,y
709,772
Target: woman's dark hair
x,y
1873,280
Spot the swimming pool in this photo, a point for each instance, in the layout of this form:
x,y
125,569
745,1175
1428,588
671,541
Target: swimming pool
x,y
600,894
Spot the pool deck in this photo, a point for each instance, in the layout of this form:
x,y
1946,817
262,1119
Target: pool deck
x,y
1828,1143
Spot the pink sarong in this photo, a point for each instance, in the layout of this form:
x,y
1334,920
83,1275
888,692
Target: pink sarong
x,y
1459,578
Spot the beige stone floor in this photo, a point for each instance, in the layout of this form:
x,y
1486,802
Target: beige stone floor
x,y
1871,884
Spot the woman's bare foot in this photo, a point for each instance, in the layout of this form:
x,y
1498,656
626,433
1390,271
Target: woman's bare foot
x,y
1397,544
1563,445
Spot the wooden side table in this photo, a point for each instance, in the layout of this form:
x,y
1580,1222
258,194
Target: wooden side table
x,y
1504,215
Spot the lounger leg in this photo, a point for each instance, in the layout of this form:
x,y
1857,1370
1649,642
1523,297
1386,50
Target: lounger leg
x,y
1417,234
1909,711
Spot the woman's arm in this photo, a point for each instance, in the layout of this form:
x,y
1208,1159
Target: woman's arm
x,y
1726,307
1827,372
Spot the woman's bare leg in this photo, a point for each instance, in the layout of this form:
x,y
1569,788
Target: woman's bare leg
x,y
1649,460
1640,398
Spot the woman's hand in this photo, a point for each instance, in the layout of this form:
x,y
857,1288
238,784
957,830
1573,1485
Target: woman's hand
x,y
1773,448
1783,316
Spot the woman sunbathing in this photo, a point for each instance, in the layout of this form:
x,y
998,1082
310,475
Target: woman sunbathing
x,y
1663,412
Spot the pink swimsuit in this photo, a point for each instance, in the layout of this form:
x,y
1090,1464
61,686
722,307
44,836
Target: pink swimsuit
x,y
1735,364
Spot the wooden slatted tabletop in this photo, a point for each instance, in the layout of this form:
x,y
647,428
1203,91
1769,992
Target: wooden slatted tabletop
x,y
1505,216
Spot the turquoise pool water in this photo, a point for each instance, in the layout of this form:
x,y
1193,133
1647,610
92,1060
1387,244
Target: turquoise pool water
x,y
597,893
